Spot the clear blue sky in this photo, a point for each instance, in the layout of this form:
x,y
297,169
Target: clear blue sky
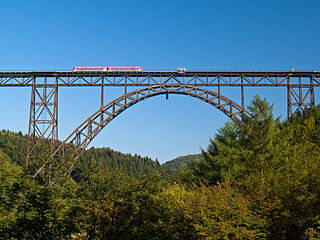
x,y
213,34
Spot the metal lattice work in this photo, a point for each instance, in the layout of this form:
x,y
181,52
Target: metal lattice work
x,y
200,78
300,96
43,121
80,138
296,82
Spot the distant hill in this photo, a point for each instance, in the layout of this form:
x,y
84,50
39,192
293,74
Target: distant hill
x,y
14,145
178,162
133,165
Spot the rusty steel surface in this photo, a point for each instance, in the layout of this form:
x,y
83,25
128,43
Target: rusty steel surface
x,y
204,85
84,133
81,137
43,119
200,78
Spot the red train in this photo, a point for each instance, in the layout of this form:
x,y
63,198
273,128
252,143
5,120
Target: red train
x,y
107,69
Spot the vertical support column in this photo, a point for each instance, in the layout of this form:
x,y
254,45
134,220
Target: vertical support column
x,y
301,99
312,101
31,132
125,90
300,95
102,99
43,119
242,93
289,103
54,136
219,101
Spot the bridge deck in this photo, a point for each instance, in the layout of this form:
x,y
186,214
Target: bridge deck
x,y
199,78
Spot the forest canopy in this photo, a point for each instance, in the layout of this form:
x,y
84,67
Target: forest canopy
x,y
257,180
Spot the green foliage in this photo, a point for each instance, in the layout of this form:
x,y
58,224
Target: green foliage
x,y
134,165
14,145
255,181
313,233
223,212
9,174
38,214
277,165
182,161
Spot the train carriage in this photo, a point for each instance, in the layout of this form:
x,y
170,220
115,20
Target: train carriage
x,y
108,69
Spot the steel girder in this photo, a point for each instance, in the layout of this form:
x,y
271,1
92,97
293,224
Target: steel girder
x,y
81,137
299,96
200,78
43,119
300,84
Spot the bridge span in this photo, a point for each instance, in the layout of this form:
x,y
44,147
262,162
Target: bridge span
x,y
147,78
204,85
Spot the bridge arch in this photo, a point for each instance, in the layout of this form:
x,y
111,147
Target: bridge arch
x,y
82,136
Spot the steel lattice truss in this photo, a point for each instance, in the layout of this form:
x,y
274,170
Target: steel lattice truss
x,y
43,122
81,137
300,87
84,134
202,78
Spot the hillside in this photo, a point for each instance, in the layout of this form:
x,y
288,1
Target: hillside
x,y
14,146
181,161
134,165
259,180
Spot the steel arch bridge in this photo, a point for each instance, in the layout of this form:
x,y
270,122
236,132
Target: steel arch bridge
x,y
204,85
